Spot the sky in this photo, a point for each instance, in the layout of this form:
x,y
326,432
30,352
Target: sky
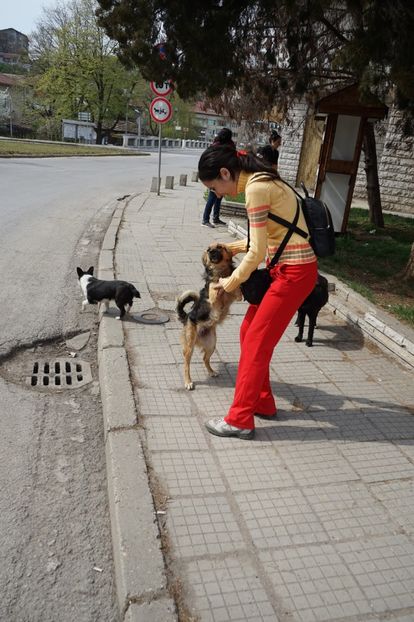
x,y
22,14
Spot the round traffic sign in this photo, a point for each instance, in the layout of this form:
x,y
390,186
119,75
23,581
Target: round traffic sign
x,y
161,88
160,110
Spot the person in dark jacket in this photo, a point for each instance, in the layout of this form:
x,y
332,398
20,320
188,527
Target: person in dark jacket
x,y
224,137
270,153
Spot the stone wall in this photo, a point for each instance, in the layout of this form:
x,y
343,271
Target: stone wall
x,y
292,136
395,167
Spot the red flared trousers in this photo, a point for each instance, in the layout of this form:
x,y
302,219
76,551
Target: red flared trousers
x,y
261,330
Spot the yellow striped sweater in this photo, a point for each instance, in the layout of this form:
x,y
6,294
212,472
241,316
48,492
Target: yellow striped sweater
x,y
262,197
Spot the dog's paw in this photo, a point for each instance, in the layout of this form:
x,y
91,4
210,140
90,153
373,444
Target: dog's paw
x,y
238,294
213,374
309,344
190,386
118,317
298,339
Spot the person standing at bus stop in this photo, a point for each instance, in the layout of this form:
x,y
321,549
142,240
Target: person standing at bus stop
x,y
224,137
270,153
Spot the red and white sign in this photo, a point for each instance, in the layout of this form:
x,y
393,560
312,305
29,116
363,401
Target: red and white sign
x,y
161,88
160,110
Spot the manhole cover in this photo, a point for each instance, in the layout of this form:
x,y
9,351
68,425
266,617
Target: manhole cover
x,y
59,373
151,317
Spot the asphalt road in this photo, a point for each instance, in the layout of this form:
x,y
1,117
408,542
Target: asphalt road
x,y
54,524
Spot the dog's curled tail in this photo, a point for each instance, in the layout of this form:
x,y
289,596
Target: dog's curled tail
x,y
134,291
184,299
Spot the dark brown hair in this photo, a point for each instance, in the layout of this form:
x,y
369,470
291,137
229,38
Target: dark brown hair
x,y
224,156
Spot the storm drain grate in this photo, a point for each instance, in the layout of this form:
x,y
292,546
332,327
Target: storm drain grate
x,y
59,373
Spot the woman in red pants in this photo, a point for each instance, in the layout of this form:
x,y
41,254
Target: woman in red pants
x,y
225,171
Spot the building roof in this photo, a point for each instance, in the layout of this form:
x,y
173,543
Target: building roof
x,y
199,108
10,79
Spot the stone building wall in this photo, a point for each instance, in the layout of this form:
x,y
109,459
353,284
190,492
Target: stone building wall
x,y
395,160
292,136
395,156
396,169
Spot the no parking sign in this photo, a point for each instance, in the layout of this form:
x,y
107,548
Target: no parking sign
x,y
160,110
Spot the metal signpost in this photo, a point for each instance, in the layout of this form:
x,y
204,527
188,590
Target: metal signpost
x,y
161,112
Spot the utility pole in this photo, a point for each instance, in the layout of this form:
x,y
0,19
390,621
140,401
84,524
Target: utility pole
x,y
138,113
10,112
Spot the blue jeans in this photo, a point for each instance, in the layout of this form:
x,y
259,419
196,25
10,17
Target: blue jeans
x,y
212,201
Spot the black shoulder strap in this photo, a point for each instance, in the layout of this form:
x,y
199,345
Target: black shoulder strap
x,y
291,226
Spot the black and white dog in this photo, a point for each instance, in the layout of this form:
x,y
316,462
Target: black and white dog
x,y
97,291
310,307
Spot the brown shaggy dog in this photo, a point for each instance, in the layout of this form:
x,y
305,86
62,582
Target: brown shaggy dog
x,y
208,309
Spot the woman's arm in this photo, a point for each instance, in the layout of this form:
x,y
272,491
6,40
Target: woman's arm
x,y
257,206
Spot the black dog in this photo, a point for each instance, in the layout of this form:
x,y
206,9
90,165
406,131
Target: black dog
x,y
97,291
311,307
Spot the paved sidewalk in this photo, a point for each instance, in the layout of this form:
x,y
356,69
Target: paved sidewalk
x,y
311,521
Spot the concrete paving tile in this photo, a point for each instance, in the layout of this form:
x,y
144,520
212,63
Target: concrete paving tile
x,y
203,525
367,395
340,371
376,462
315,463
380,370
314,584
383,567
397,497
163,402
349,510
201,378
158,377
293,426
394,424
228,590
213,400
188,473
177,433
303,371
253,468
349,426
279,518
260,439
324,352
402,393
154,352
407,448
316,397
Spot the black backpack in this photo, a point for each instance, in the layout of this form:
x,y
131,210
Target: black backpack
x,y
319,222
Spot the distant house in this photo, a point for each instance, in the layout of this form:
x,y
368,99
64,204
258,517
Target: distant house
x,y
78,131
14,47
209,123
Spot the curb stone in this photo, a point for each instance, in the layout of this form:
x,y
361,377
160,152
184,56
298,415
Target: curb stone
x,y
139,565
157,611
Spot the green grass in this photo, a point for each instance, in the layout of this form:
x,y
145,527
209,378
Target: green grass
x,y
22,148
371,262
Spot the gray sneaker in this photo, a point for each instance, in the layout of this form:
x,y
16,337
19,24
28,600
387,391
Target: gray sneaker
x,y
207,224
220,428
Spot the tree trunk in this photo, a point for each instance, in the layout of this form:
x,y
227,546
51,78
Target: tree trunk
x,y
99,132
408,272
371,171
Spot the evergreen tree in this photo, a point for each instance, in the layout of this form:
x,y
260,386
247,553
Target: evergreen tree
x,y
280,49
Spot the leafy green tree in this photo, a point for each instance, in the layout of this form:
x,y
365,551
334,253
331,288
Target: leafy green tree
x,y
280,49
76,68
